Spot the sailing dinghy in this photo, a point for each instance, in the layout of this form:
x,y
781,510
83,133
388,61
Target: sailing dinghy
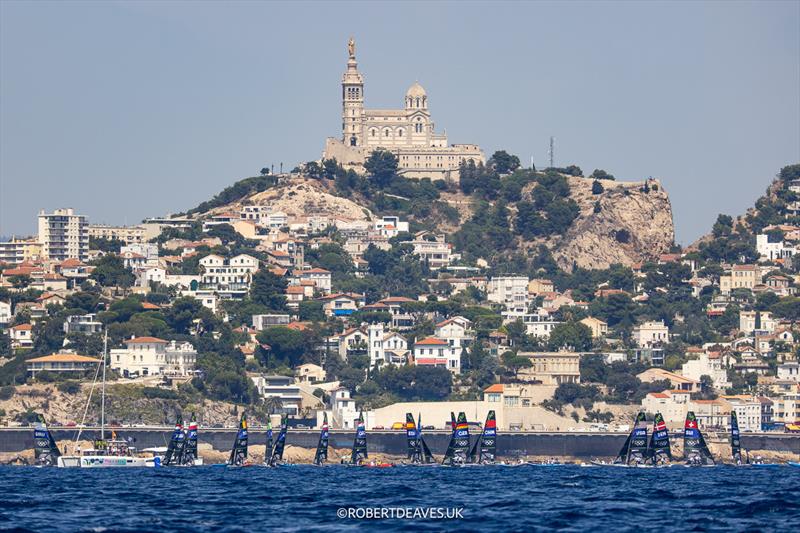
x,y
634,452
321,456
417,450
46,451
458,448
238,455
484,451
659,450
276,455
177,445
695,449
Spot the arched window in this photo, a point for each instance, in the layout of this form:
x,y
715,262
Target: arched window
x,y
372,132
417,101
399,133
386,132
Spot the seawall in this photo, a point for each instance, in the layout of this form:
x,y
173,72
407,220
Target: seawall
x,y
582,445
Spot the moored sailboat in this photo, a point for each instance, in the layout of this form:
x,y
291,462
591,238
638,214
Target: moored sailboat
x,y
105,453
484,451
695,449
321,456
238,455
46,452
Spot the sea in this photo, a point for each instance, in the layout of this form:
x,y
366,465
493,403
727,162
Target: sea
x,y
335,498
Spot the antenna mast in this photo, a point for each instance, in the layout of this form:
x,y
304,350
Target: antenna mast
x,y
552,153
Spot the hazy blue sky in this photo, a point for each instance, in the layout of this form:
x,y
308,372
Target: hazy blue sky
x,y
132,109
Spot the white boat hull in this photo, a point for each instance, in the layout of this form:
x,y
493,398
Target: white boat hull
x,y
105,461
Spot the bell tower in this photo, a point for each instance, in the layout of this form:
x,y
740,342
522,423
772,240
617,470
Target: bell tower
x,y
352,100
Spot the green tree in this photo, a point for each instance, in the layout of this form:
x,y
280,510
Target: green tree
x,y
571,335
110,271
287,345
597,187
268,290
503,162
382,166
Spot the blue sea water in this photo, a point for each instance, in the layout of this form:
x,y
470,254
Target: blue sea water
x,y
305,498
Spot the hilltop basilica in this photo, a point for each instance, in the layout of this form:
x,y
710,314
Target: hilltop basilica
x,y
408,132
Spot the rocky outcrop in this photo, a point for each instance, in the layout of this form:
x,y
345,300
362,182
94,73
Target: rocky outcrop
x,y
633,224
302,198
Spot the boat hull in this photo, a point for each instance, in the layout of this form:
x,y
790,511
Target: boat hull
x,y
106,461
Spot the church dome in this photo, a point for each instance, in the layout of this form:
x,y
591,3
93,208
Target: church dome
x,y
415,90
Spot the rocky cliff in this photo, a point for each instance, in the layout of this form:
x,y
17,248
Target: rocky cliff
x,y
629,222
632,224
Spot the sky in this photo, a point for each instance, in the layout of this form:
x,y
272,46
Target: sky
x,y
127,110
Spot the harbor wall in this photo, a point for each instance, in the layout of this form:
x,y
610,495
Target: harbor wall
x,y
581,445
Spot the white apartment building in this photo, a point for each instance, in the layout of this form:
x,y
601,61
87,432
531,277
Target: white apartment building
x,y
672,404
650,334
390,226
150,356
148,250
64,235
85,324
281,387
789,371
5,313
770,251
748,412
437,352
126,234
432,249
386,347
456,331
539,324
756,321
320,277
234,274
705,365
510,291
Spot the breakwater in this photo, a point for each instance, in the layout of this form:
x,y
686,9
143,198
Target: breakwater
x,y
512,444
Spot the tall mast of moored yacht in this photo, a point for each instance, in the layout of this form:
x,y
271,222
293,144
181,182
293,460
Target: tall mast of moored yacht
x,y
103,398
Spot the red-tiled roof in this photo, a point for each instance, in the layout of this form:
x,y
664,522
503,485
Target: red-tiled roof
x,y
497,387
63,358
154,340
431,341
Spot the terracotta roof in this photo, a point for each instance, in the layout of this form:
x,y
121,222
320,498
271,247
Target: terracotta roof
x,y
71,262
295,289
497,387
297,326
431,341
145,339
316,271
148,305
22,327
659,395
63,358
396,299
431,361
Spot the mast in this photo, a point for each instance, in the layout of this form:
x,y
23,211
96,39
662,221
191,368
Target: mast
x,y
322,446
736,444
103,394
268,450
637,448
